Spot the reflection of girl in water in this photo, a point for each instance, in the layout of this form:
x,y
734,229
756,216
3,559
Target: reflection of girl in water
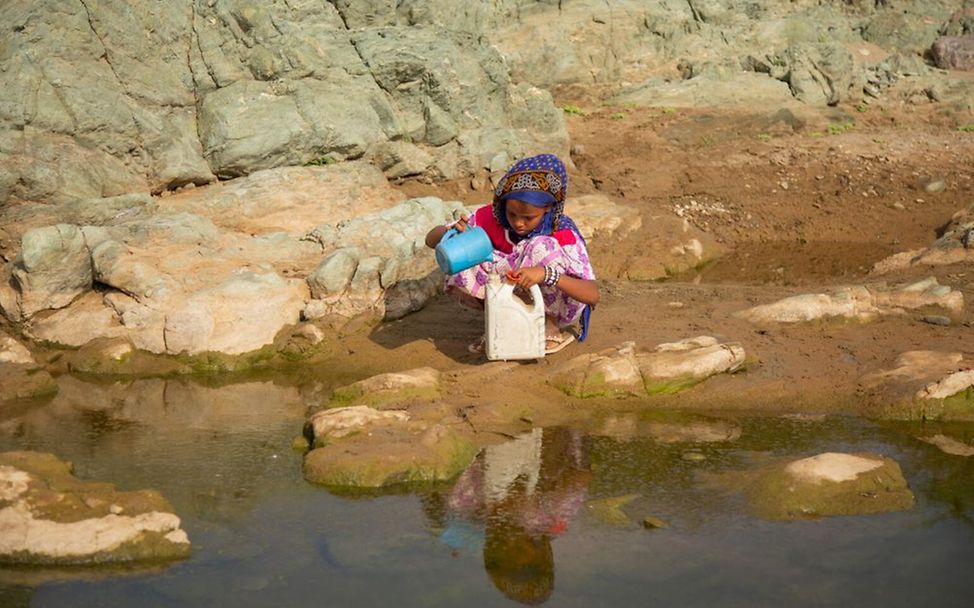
x,y
525,492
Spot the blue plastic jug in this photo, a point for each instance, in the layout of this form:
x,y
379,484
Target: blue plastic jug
x,y
458,251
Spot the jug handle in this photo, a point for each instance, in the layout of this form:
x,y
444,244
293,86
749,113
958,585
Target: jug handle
x,y
538,299
450,233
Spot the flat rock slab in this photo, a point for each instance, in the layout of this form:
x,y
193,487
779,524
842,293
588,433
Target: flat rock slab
x,y
392,389
668,368
858,302
47,516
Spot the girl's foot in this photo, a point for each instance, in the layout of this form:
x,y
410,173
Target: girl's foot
x,y
478,346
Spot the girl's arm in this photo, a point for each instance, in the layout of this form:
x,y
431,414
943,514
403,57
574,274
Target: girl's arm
x,y
583,290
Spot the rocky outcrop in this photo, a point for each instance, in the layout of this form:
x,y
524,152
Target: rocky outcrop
x,y
260,253
49,517
859,303
107,98
187,280
668,368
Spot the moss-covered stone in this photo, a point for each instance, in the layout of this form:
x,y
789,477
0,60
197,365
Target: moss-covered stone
x,y
117,357
389,457
384,390
827,485
670,386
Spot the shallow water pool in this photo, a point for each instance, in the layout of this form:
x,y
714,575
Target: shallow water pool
x,y
555,516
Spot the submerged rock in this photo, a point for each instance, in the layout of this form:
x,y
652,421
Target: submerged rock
x,y
49,517
829,484
669,428
610,510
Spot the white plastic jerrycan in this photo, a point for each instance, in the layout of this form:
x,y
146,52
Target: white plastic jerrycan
x,y
514,328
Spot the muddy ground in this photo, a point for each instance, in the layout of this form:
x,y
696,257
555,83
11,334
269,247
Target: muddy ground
x,y
802,200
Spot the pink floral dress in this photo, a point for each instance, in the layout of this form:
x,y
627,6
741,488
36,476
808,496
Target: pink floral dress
x,y
564,250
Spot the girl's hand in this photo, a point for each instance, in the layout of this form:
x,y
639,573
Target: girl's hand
x,y
526,277
434,236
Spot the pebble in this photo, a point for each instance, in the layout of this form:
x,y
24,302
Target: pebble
x,y
935,186
693,456
936,320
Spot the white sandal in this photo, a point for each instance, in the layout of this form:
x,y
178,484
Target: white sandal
x,y
553,344
478,346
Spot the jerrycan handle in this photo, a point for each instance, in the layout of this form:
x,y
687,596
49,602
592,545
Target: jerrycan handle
x,y
538,299
507,289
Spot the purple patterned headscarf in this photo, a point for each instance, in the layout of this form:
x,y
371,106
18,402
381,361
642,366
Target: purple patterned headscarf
x,y
539,181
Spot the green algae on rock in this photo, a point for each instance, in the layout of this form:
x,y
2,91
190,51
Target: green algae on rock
x,y
829,484
390,455
392,388
668,368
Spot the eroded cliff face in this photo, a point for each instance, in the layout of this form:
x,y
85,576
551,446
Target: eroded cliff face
x,y
102,98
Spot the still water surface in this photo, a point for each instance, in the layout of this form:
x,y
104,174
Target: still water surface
x,y
525,524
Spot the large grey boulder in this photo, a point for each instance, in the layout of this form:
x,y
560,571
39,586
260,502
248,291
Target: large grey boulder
x,y
53,268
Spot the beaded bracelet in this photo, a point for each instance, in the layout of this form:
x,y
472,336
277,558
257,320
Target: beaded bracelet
x,y
551,276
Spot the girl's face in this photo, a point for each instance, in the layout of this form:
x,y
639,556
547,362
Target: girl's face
x,y
522,217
